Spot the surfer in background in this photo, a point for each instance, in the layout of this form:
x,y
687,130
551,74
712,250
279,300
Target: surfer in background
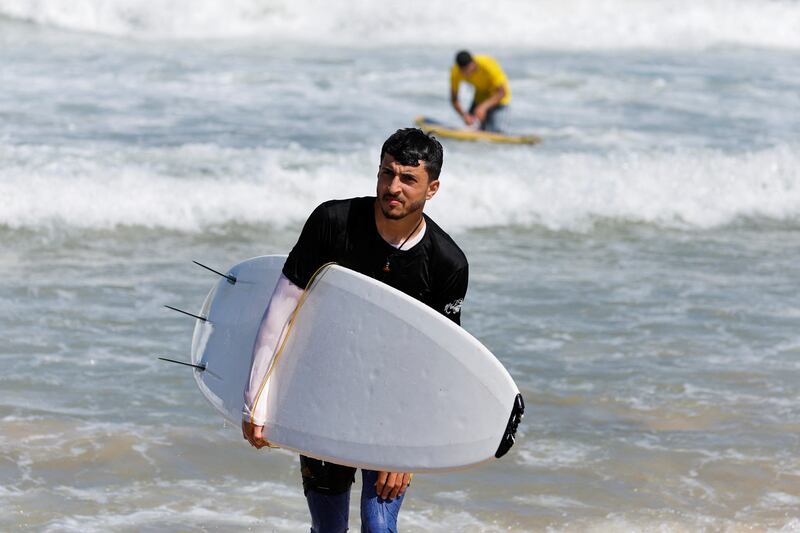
x,y
492,93
386,237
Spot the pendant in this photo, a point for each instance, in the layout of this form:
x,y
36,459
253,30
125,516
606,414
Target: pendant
x,y
386,267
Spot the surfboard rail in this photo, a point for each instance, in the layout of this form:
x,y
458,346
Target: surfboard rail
x,y
434,127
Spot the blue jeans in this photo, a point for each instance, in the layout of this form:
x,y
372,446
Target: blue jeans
x,y
496,118
329,512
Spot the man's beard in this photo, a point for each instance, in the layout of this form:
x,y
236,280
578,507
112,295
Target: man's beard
x,y
412,209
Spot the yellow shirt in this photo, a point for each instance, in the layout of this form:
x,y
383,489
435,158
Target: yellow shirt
x,y
486,79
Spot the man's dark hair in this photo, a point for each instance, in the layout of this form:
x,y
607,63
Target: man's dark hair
x,y
463,58
410,145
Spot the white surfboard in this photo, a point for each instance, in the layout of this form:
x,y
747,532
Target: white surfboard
x,y
369,376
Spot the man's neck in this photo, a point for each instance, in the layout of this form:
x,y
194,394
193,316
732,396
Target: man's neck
x,y
396,231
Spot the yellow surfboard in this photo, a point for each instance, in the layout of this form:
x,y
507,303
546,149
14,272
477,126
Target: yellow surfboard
x,y
462,134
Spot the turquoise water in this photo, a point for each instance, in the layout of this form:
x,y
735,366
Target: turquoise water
x,y
636,273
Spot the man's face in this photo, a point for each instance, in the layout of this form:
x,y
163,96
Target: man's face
x,y
469,69
402,189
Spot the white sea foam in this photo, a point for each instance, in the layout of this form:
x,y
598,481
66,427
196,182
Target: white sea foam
x,y
780,499
437,520
556,454
551,501
793,526
567,24
151,519
168,188
668,522
455,495
662,522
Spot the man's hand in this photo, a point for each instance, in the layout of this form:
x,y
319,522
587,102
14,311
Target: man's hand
x,y
390,485
254,435
469,119
482,109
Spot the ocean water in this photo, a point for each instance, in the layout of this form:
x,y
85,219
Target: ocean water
x,y
637,273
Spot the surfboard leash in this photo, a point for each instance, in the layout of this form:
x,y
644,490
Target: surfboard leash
x,y
285,336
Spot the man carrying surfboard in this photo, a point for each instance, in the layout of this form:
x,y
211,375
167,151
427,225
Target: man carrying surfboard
x,y
492,92
386,237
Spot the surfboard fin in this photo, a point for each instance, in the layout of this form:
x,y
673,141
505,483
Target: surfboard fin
x,y
200,367
511,428
204,319
231,279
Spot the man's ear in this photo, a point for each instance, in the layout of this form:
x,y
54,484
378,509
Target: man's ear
x,y
432,188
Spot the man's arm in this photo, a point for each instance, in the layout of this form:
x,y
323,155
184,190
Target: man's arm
x,y
449,297
499,87
455,83
281,306
466,117
308,254
484,107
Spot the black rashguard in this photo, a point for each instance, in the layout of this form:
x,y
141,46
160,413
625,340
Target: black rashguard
x,y
434,271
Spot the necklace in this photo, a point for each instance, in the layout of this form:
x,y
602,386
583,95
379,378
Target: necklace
x,y
386,267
